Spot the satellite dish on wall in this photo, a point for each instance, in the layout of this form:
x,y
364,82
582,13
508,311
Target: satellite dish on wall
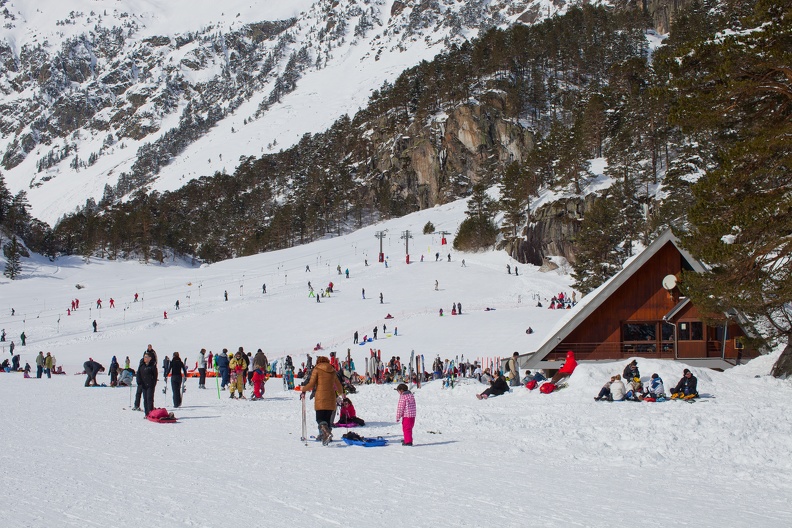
x,y
669,282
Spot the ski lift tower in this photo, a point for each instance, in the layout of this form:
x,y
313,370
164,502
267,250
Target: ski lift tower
x,y
443,234
406,236
380,235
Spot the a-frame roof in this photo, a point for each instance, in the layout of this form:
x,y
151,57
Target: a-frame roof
x,y
595,299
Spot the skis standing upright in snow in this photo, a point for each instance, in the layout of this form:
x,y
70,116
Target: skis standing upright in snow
x,y
412,359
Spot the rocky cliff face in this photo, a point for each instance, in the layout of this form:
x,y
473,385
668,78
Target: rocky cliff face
x,y
437,161
663,12
552,231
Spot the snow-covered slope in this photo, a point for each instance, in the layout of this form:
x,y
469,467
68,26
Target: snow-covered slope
x,y
91,89
74,456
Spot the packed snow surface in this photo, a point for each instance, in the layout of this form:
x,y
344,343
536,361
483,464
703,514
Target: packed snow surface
x,y
76,456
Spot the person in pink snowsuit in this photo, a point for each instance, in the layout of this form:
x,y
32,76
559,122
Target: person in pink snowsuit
x,y
405,411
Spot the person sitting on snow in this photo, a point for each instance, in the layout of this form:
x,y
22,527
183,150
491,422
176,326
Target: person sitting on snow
x,y
635,390
655,390
605,391
617,389
631,370
566,369
528,377
498,386
348,414
125,378
686,388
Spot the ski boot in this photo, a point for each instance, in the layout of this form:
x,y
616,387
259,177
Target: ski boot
x,y
327,434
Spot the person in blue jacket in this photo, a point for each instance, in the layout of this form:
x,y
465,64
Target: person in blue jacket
x,y
222,366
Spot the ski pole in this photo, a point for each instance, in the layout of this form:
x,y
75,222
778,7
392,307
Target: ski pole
x,y
304,426
217,381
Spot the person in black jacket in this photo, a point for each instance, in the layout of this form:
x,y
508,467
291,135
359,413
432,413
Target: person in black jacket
x,y
147,379
177,371
92,368
631,371
498,386
139,393
165,367
687,387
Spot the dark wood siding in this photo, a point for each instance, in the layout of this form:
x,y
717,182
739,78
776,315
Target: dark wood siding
x,y
643,300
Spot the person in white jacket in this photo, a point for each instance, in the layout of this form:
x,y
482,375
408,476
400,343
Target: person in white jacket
x,y
617,388
655,388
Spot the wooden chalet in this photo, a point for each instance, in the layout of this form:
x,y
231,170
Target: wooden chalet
x,y
639,313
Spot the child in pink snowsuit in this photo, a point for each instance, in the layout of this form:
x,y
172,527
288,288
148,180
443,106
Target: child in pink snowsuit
x,y
405,411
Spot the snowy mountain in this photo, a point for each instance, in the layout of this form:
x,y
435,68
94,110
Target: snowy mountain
x,y
100,98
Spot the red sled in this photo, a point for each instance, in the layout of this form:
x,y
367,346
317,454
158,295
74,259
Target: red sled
x,y
547,388
531,385
161,416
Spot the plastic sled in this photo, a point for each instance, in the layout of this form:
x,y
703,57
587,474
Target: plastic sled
x,y
370,339
367,442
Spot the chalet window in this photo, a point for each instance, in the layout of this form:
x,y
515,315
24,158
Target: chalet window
x,y
667,334
639,337
640,331
691,331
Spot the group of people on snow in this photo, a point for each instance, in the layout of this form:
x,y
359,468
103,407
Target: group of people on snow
x,y
634,390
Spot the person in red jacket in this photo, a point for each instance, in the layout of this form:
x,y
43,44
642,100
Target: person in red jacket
x,y
349,415
259,378
566,369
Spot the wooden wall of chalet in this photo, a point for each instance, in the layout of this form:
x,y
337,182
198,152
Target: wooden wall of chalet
x,y
712,344
642,298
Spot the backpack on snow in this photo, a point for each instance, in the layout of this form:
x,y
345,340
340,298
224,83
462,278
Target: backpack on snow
x,y
547,388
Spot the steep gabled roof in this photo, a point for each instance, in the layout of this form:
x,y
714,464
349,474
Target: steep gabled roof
x,y
595,299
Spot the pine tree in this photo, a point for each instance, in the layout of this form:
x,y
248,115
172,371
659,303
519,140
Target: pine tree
x,y
5,200
12,253
739,87
477,231
600,252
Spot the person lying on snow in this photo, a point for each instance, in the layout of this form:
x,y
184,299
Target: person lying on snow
x,y
498,386
686,388
348,414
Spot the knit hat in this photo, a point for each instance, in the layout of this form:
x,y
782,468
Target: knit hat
x,y
402,387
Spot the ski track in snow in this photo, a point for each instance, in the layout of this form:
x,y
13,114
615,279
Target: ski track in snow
x,y
78,457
